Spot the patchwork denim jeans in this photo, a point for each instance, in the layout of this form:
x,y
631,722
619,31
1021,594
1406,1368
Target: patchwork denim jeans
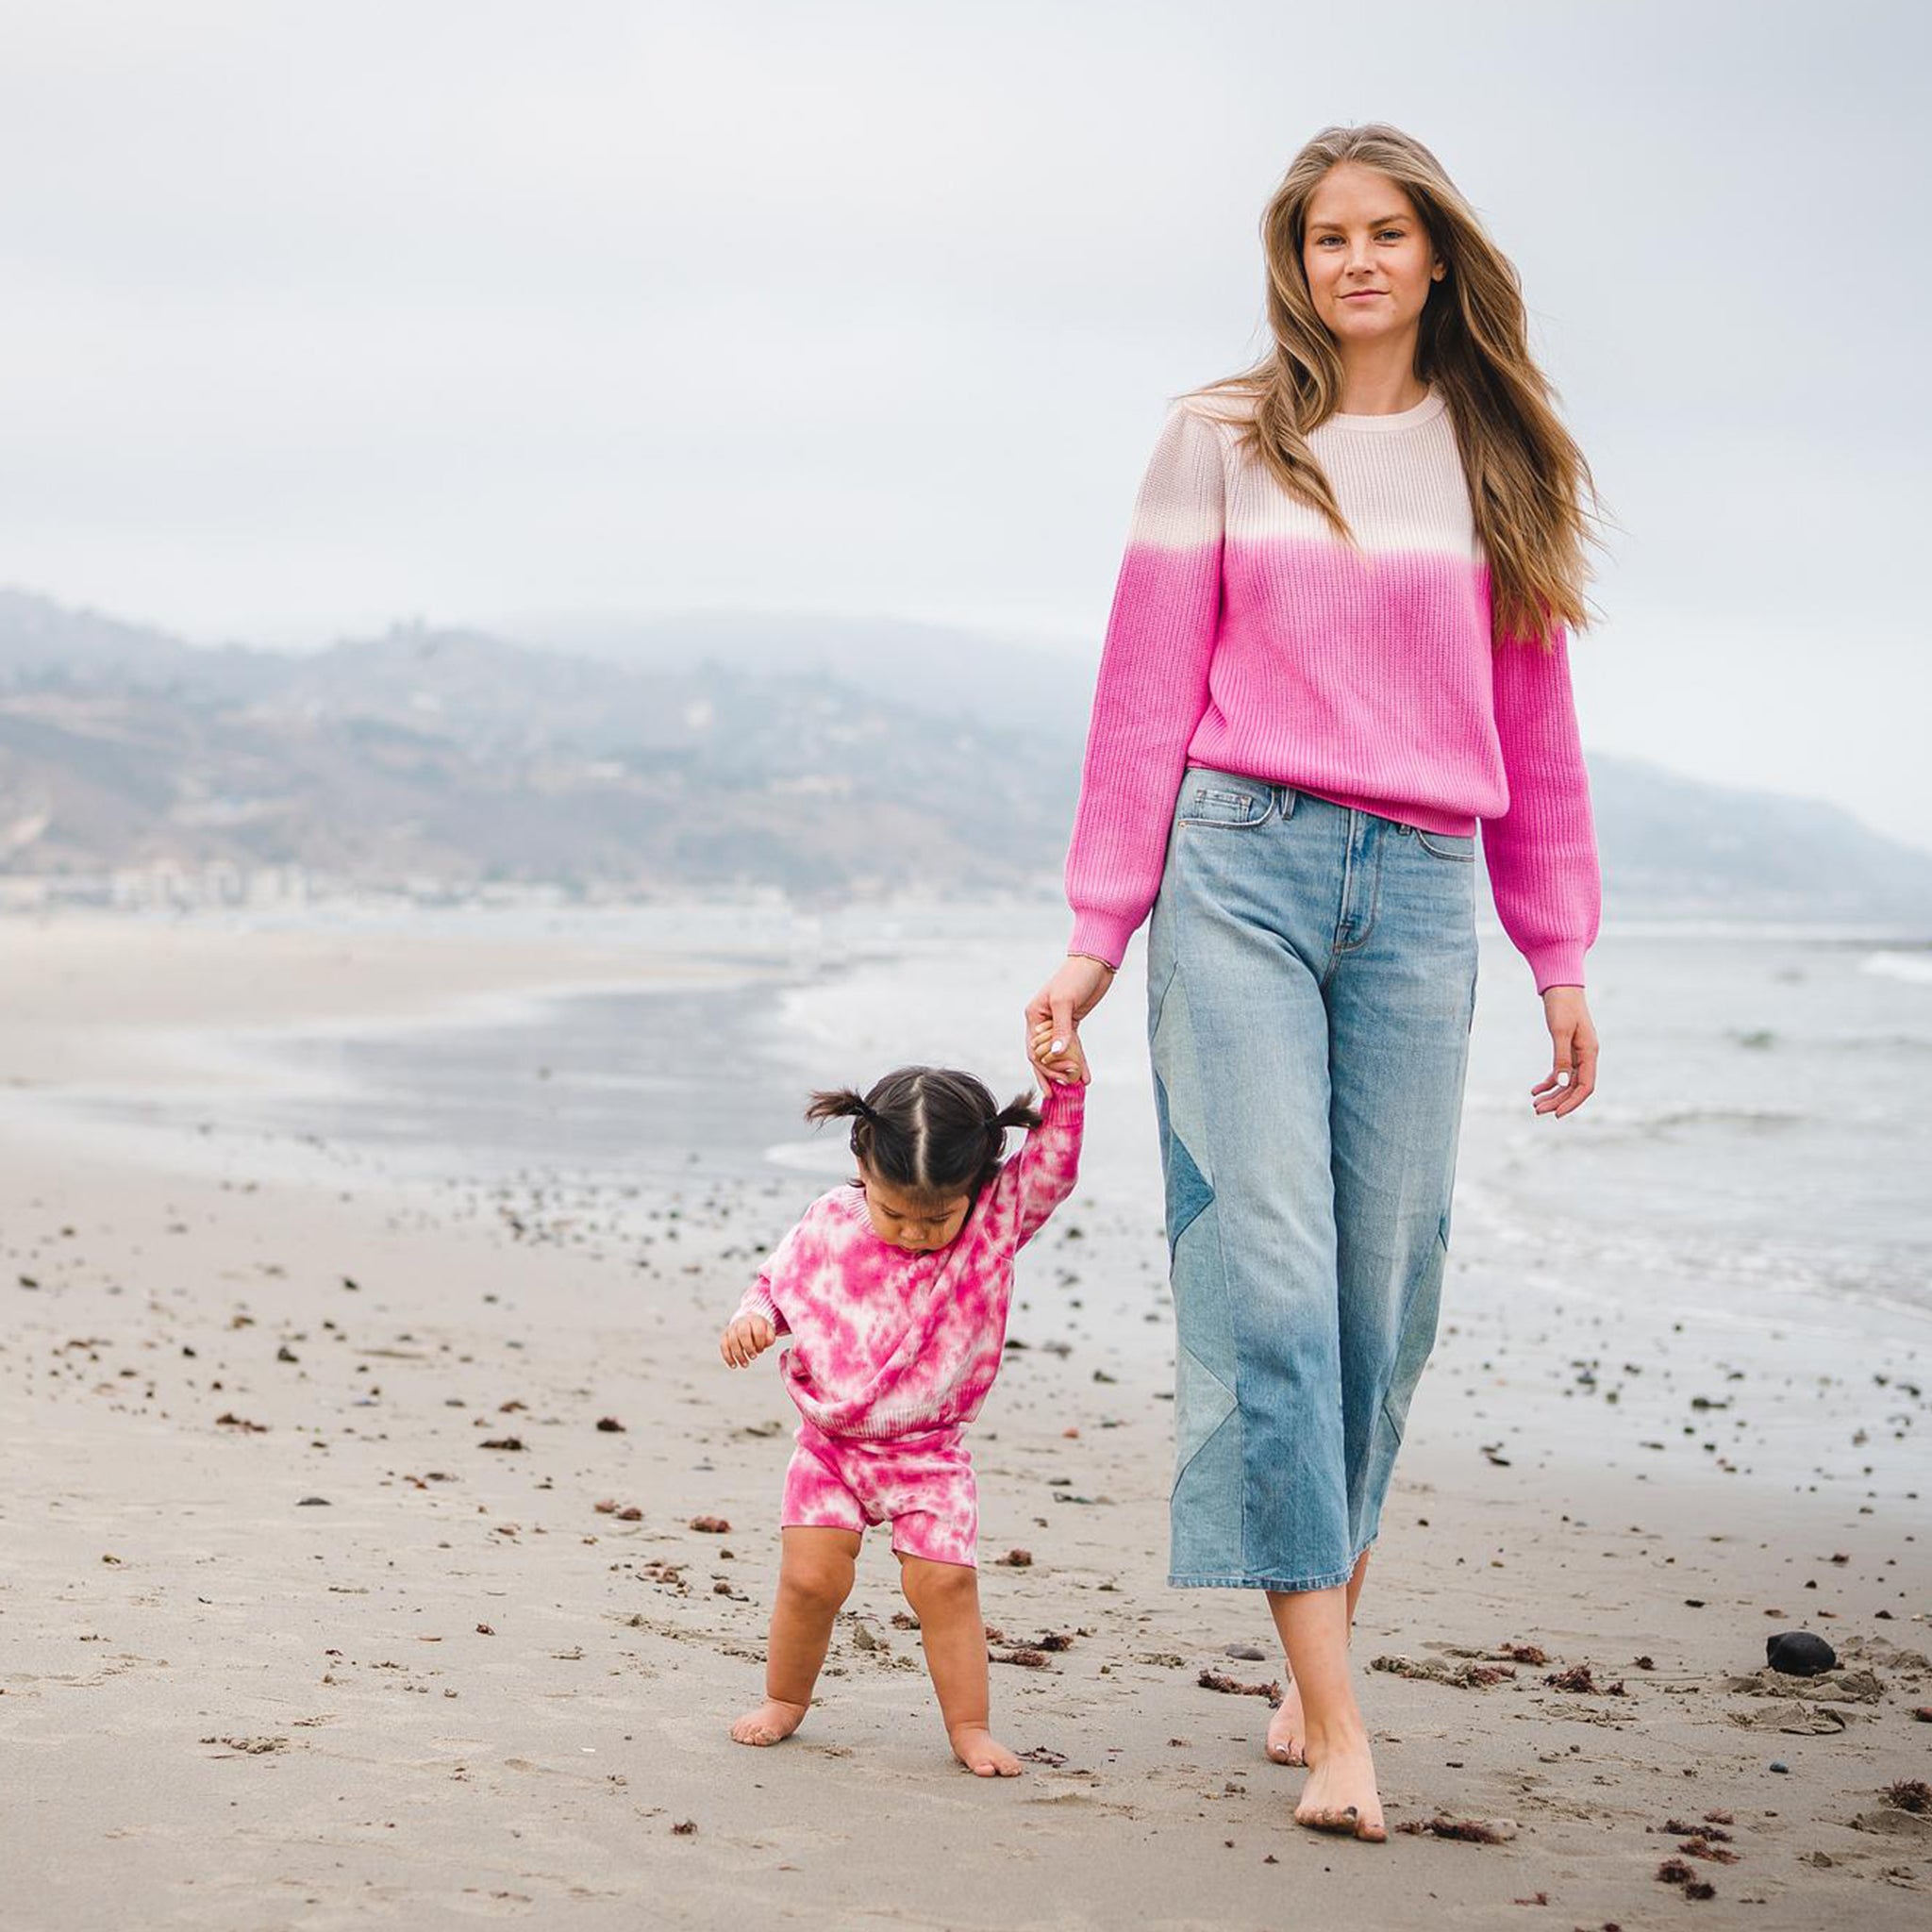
x,y
1311,983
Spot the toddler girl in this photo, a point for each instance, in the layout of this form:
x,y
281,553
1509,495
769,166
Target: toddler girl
x,y
893,1291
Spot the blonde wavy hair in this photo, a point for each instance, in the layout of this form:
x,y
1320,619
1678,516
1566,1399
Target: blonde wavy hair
x,y
1534,501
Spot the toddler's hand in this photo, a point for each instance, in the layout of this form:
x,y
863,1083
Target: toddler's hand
x,y
1060,1059
745,1338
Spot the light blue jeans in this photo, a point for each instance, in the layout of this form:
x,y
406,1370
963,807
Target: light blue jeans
x,y
1310,987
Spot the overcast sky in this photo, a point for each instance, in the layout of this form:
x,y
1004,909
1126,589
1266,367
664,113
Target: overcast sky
x,y
320,316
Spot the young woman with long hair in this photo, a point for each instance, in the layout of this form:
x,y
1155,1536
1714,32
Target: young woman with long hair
x,y
1339,644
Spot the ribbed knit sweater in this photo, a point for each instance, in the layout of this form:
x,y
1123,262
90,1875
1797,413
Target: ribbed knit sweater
x,y
886,1341
1246,637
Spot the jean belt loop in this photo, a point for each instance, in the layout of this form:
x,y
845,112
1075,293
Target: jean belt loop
x,y
1284,798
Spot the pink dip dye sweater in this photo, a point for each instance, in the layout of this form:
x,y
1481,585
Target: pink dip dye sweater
x,y
887,1342
1246,637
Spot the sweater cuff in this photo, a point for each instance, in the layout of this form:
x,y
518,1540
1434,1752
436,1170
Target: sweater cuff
x,y
1104,935
1559,963
1061,1101
757,1301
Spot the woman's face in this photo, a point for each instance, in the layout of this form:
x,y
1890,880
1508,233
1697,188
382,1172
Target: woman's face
x,y
907,1221
1367,255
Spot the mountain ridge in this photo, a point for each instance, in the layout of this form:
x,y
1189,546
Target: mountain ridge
x,y
450,758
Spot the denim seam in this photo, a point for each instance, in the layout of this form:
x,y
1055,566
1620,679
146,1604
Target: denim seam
x,y
1221,1254
1161,1003
1233,1414
1286,1585
1368,931
1408,1295
1201,822
1423,838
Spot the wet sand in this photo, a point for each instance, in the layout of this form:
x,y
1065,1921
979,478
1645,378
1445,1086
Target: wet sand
x,y
310,1615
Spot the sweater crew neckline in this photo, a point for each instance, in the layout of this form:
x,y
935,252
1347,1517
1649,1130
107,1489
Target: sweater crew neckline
x,y
1427,411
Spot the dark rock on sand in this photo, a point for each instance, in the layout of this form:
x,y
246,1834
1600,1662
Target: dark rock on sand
x,y
1799,1654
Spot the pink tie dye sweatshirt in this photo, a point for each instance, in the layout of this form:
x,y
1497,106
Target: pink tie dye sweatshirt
x,y
1246,637
885,1342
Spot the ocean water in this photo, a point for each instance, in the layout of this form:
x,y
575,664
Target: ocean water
x,y
1758,1149
1757,1137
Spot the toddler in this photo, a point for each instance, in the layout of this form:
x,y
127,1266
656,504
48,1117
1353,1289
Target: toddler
x,y
893,1290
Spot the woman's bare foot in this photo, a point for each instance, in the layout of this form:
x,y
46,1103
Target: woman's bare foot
x,y
1340,1794
975,1747
772,1723
1287,1730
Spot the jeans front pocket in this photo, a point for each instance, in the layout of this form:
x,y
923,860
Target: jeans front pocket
x,y
1209,798
1450,845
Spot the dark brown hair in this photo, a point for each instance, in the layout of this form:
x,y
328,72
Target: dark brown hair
x,y
930,1131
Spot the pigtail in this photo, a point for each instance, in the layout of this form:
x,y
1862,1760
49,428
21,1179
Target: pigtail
x,y
846,1103
836,1104
1018,1113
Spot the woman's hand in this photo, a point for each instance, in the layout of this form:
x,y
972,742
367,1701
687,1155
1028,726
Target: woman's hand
x,y
1572,1078
1054,1012
745,1338
1067,1068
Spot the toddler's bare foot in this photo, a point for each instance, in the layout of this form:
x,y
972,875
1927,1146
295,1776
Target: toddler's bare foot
x,y
977,1749
1340,1794
772,1723
1286,1729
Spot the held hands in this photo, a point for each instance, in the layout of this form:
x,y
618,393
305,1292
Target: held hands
x,y
1054,1012
1572,1078
1068,1067
745,1338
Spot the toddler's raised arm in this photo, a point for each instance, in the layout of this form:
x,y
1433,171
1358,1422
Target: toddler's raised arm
x,y
1037,1178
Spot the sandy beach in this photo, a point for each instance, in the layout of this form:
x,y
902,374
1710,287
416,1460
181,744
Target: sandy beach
x,y
351,1569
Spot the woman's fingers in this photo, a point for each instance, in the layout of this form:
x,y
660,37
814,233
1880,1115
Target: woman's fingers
x,y
1062,1016
1060,1059
1583,1075
1550,1090
1572,1078
1045,1045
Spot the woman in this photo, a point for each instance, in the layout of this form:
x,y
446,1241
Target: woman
x,y
1339,642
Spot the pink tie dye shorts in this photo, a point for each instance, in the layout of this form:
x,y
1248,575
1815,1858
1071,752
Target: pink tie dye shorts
x,y
922,1484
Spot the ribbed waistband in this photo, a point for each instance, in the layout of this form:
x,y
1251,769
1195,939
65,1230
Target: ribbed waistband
x,y
881,1432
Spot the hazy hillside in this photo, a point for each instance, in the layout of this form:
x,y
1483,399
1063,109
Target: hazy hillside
x,y
821,759
453,756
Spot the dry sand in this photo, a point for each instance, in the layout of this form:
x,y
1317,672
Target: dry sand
x,y
310,1617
